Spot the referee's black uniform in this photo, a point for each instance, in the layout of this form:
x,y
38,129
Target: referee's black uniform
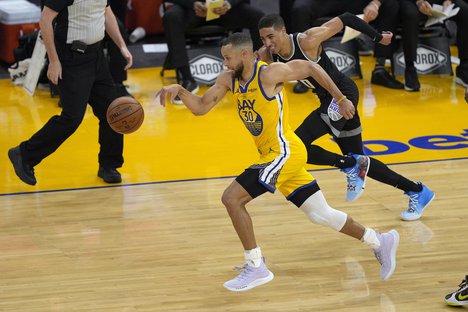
x,y
79,31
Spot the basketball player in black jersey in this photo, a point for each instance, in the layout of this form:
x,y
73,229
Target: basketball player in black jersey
x,y
333,117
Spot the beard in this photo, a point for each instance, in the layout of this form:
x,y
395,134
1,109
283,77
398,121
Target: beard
x,y
238,71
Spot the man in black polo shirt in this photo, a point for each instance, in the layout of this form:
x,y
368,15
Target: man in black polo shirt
x,y
77,65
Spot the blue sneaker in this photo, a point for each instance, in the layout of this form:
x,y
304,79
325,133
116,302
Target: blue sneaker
x,y
418,201
356,177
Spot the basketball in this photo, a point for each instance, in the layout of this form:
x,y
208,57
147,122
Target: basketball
x,y
125,115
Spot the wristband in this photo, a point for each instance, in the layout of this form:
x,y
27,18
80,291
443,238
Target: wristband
x,y
341,99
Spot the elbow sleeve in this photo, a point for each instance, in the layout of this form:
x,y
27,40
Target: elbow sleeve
x,y
358,24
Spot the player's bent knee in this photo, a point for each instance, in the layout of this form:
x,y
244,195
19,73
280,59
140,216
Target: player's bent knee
x,y
318,211
230,198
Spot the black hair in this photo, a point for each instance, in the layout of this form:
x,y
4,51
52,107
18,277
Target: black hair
x,y
238,40
271,20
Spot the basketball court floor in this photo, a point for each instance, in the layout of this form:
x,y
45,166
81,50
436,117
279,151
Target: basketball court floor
x,y
162,241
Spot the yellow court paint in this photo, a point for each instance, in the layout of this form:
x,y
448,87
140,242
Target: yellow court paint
x,y
173,144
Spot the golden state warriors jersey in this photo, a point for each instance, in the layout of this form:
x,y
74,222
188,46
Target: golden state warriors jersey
x,y
282,153
263,116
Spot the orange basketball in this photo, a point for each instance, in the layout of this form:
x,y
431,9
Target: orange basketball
x,y
125,115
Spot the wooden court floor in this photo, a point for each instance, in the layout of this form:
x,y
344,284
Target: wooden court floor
x,y
162,240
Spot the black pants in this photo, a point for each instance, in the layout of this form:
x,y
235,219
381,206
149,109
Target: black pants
x,y
306,12
119,7
285,7
410,19
178,19
85,79
313,127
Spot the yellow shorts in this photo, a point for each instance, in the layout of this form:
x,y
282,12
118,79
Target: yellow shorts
x,y
284,171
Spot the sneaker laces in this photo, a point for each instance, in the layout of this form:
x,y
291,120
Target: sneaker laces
x,y
246,269
462,285
379,257
378,252
351,176
413,203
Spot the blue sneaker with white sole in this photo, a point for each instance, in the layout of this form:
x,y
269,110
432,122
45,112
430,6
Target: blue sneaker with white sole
x,y
418,201
356,177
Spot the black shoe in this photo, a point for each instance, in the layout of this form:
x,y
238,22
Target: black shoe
x,y
300,88
190,85
461,79
381,77
411,80
461,75
22,170
461,82
109,175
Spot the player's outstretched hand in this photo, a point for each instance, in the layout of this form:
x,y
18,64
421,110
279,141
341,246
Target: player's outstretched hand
x,y
386,38
172,91
347,109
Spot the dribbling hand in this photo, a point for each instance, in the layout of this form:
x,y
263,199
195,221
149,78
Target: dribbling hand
x,y
347,109
172,91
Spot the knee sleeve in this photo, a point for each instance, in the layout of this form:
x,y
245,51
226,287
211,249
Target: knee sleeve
x,y
318,211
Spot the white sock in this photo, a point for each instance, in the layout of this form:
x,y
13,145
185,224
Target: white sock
x,y
370,238
253,257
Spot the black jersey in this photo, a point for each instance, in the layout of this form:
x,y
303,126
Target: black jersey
x,y
343,82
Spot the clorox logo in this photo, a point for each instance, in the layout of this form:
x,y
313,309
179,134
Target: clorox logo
x,y
205,68
427,59
342,60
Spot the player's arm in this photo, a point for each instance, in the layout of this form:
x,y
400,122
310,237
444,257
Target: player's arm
x,y
316,35
264,55
277,73
198,105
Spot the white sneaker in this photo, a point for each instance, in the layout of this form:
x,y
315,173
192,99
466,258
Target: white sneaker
x,y
250,277
386,253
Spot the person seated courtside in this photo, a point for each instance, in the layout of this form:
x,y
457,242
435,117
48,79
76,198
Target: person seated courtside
x,y
184,15
383,15
412,13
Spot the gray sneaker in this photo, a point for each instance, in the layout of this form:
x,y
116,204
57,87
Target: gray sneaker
x,y
386,254
249,278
